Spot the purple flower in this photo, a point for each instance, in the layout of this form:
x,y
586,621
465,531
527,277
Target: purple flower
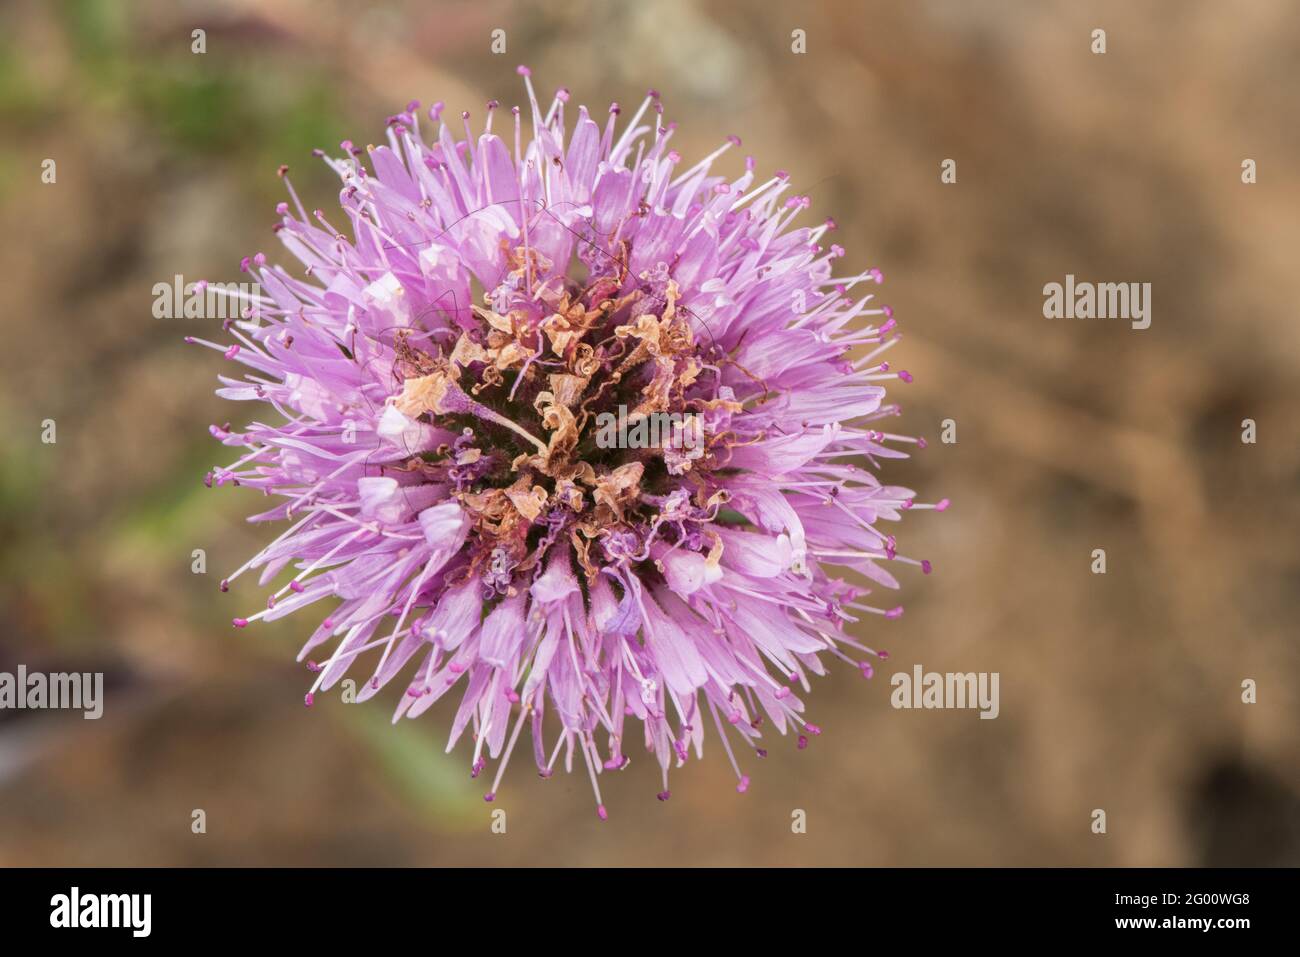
x,y
463,320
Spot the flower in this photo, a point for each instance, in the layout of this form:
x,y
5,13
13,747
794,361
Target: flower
x,y
440,366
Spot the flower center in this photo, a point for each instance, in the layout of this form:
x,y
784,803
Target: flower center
x,y
584,410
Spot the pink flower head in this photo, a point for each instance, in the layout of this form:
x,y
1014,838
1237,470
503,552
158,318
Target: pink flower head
x,y
467,322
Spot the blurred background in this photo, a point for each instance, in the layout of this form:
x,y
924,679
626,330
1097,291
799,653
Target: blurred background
x,y
1119,691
